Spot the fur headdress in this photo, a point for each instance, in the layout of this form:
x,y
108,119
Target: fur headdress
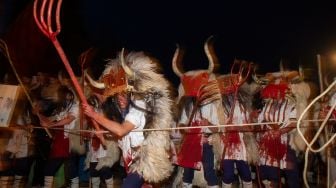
x,y
144,82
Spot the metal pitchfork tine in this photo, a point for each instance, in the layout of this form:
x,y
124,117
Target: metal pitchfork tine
x,y
48,30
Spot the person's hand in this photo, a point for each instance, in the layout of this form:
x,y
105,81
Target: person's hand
x,y
88,110
44,123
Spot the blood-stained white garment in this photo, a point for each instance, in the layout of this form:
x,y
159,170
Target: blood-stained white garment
x,y
130,142
276,111
190,154
208,111
237,150
99,153
95,155
74,111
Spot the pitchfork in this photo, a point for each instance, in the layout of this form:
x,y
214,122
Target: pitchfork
x,y
45,23
244,69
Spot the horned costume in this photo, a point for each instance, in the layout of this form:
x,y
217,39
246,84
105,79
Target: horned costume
x,y
199,108
284,95
238,141
145,155
65,115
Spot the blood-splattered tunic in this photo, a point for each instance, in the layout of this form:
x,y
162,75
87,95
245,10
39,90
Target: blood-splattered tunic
x,y
272,145
130,143
190,154
235,148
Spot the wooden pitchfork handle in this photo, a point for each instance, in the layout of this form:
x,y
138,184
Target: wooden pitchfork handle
x,y
82,61
48,30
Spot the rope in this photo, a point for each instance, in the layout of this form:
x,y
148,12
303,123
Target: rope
x,y
324,122
185,128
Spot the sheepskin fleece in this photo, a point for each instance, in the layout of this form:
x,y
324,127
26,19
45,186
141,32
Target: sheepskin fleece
x,y
153,161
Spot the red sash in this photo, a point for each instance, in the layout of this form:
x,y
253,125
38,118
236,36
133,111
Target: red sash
x,y
60,146
190,154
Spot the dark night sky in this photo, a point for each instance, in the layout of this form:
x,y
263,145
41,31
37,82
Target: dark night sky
x,y
263,32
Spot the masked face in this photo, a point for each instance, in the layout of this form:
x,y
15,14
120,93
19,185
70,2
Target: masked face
x,y
122,100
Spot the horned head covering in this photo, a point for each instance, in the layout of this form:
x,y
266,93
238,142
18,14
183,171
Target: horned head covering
x,y
137,74
197,83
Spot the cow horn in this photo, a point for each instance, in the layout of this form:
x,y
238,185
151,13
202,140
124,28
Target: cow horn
x,y
281,66
301,72
94,83
127,70
209,51
176,70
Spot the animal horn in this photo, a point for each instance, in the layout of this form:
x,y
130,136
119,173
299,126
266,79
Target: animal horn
x,y
95,84
176,70
210,53
301,72
127,70
281,66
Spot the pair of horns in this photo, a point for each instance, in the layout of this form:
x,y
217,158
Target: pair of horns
x,y
209,51
101,85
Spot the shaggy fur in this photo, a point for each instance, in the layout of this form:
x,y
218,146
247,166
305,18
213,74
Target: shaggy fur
x,y
303,93
153,161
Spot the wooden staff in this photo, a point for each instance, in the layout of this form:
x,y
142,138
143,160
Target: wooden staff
x,y
4,49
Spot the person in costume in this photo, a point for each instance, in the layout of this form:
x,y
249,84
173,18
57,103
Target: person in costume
x,y
281,93
239,142
64,116
145,155
196,151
